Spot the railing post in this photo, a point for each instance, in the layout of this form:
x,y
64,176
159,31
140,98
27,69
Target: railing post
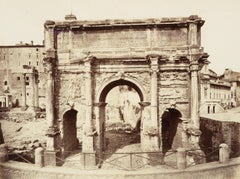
x,y
223,153
84,160
131,160
181,158
39,161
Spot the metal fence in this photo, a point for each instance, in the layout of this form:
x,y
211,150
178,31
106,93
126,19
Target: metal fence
x,y
128,160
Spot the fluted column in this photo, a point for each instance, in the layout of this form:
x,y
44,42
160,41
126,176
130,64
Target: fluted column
x,y
194,94
32,83
150,130
53,131
154,90
88,126
89,101
50,97
24,90
36,90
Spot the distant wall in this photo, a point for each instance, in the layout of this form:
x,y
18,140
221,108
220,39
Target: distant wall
x,y
216,132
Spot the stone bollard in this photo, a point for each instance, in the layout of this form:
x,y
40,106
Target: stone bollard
x,y
3,153
39,159
181,158
224,153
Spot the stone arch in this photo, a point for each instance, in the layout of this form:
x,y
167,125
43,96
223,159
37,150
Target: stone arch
x,y
108,85
69,130
101,98
171,118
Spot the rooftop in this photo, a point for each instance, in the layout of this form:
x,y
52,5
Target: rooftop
x,y
70,20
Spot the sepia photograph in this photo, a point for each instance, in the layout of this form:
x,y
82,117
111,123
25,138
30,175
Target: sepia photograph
x,y
137,89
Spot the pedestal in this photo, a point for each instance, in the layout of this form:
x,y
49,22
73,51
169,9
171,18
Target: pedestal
x,y
51,158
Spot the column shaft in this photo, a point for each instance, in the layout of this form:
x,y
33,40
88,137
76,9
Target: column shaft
x,y
194,96
33,89
24,90
36,92
50,100
89,102
154,99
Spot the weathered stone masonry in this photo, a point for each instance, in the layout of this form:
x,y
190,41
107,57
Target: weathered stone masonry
x,y
159,58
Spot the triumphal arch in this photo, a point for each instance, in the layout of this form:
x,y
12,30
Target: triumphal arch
x,y
159,58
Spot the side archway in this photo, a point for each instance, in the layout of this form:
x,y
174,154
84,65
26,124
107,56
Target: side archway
x,y
70,141
171,136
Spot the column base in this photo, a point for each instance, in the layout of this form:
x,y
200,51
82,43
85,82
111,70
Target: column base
x,y
51,158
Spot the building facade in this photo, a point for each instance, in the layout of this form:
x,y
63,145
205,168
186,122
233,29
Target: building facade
x,y
233,77
22,72
159,58
215,92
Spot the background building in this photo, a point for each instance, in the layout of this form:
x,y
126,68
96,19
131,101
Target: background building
x,y
234,78
15,61
219,93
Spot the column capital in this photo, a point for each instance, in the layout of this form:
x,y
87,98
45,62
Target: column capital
x,y
194,66
153,58
88,62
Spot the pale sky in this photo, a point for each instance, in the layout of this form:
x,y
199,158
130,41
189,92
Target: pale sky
x,y
22,20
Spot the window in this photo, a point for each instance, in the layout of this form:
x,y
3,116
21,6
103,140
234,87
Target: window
x,y
37,56
213,109
5,82
27,94
27,83
208,109
29,63
37,63
27,78
37,49
18,78
29,55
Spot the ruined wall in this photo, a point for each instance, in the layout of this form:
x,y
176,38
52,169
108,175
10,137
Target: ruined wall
x,y
216,132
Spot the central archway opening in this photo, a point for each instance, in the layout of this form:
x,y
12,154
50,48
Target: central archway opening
x,y
120,118
123,118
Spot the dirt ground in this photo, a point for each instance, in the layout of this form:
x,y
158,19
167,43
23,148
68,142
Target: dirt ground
x,y
16,134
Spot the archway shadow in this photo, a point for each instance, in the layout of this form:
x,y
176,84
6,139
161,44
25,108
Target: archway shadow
x,y
70,141
170,121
